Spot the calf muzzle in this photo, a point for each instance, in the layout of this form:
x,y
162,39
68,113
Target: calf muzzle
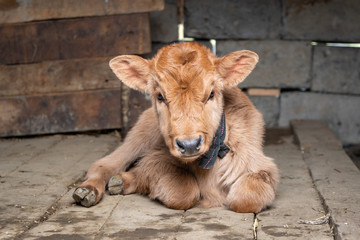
x,y
189,147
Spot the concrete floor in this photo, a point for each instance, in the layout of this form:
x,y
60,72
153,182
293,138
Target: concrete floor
x,y
38,176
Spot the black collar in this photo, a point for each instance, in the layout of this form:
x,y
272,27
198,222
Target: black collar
x,y
217,148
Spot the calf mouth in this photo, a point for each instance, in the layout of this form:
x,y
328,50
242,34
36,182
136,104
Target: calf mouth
x,y
190,159
186,158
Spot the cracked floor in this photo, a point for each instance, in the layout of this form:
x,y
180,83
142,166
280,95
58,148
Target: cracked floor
x,y
38,176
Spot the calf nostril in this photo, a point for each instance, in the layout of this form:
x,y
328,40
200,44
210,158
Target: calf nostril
x,y
180,145
199,142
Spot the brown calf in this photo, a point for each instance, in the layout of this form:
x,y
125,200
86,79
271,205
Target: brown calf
x,y
199,143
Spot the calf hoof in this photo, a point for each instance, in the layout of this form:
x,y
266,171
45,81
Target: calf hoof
x,y
85,197
115,185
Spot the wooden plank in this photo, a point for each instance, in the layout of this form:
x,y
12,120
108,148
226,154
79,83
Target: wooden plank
x,y
271,92
75,38
63,112
30,193
296,198
26,43
57,76
12,11
138,103
133,105
19,151
215,223
335,176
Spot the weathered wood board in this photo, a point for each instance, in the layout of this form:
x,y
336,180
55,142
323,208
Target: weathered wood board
x,y
12,11
38,176
138,103
336,178
57,76
75,38
62,112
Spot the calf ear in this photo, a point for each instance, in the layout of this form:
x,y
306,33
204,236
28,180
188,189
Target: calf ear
x,y
132,70
236,66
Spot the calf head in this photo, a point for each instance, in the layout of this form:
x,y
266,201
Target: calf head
x,y
186,82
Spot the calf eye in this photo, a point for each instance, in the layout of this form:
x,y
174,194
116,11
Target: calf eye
x,y
211,95
160,97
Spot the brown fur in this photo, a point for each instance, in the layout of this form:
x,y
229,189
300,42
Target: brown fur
x,y
185,75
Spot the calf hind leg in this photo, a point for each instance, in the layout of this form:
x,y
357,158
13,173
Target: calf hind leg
x,y
161,177
177,191
252,192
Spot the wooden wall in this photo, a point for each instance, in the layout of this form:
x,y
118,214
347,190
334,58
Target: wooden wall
x,y
54,74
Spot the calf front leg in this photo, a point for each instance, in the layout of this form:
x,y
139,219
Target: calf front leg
x,y
161,177
140,139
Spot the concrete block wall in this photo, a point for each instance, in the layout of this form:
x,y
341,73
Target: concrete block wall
x,y
283,64
232,19
336,70
316,81
164,24
321,20
311,20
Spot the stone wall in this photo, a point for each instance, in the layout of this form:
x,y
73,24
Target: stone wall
x,y
316,81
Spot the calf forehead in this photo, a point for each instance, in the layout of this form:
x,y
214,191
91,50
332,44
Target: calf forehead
x,y
184,53
184,69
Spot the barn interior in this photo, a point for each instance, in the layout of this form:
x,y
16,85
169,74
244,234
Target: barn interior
x,y
62,108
